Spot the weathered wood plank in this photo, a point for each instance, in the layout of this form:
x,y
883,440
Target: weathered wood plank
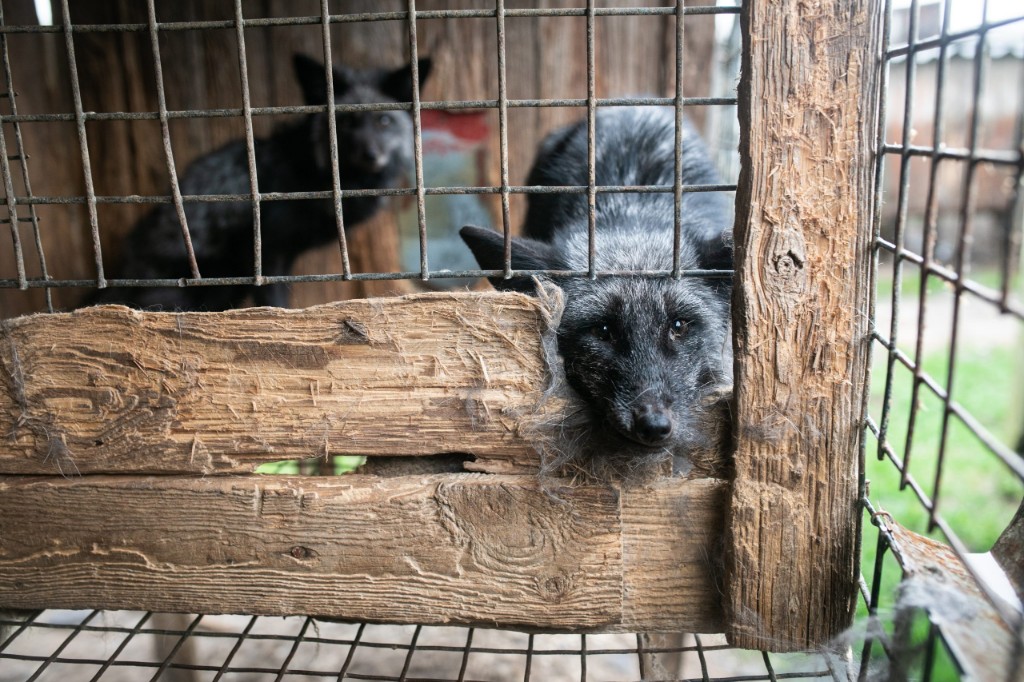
x,y
115,390
936,579
808,102
463,548
671,549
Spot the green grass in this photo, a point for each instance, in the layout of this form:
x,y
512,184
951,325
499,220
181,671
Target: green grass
x,y
910,284
343,464
977,494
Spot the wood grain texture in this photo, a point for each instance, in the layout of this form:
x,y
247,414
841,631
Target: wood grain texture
x,y
467,549
671,549
114,390
972,627
808,102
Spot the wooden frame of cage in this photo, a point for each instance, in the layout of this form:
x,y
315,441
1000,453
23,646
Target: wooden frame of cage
x,y
115,421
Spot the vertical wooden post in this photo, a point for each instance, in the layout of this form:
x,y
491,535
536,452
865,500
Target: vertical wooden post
x,y
808,106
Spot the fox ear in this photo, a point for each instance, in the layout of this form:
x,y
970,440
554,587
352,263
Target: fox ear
x,y
527,254
312,77
716,251
397,84
716,254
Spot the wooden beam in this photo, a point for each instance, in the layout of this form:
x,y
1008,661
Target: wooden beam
x,y
109,389
808,103
977,631
465,549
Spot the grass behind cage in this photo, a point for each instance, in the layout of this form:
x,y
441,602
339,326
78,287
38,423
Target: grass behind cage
x,y
343,464
976,496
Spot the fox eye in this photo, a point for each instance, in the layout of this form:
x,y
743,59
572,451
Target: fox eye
x,y
602,331
383,121
677,328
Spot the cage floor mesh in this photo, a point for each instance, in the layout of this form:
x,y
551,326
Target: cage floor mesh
x,y
130,645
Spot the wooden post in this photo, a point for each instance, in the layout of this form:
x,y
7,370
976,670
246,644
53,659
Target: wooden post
x,y
808,109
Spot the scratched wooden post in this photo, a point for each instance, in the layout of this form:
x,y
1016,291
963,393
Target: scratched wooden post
x,y
808,103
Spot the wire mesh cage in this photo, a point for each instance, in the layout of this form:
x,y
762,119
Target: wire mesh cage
x,y
942,416
288,29
949,246
140,646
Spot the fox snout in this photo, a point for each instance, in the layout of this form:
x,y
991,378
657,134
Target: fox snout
x,y
652,423
372,159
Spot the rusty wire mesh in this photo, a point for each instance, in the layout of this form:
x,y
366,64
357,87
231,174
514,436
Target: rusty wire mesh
x,y
246,111
948,244
139,646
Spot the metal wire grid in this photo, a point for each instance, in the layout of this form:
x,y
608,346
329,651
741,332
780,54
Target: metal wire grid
x,y
130,645
91,200
957,277
21,158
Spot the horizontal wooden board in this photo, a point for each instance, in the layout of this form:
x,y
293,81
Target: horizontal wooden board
x,y
936,579
468,549
108,390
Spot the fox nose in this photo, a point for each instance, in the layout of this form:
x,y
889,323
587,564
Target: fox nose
x,y
372,160
652,424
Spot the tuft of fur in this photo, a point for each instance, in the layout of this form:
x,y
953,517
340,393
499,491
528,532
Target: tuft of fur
x,y
375,151
648,359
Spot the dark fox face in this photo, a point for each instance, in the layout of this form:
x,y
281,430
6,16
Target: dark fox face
x,y
644,354
375,141
372,143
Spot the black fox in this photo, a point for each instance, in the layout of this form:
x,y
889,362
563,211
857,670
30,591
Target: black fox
x,y
650,357
375,150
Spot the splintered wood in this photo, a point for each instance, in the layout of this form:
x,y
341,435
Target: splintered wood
x,y
808,106
115,390
977,630
469,549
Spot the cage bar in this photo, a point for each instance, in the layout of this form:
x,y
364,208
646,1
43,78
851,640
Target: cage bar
x,y
417,136
449,105
678,177
374,16
506,224
250,147
83,144
332,133
165,133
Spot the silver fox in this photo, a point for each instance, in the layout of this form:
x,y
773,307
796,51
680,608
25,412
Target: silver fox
x,y
375,151
650,357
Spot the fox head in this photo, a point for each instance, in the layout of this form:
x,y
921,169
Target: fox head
x,y
370,143
647,355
